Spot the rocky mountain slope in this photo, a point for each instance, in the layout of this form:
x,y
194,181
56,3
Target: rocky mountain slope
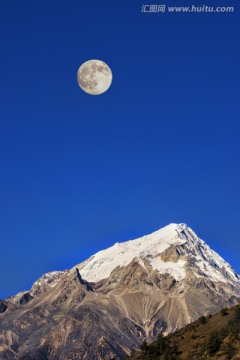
x,y
212,337
106,306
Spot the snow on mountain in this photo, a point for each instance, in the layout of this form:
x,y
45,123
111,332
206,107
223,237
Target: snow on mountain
x,y
210,264
155,250
155,284
149,247
47,280
101,264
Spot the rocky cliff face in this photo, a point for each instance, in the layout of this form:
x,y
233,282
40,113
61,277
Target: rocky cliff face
x,y
106,306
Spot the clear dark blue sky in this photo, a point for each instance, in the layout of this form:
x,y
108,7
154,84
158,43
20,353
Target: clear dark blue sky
x,y
80,172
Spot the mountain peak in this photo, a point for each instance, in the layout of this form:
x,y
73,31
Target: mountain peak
x,y
152,248
156,283
100,265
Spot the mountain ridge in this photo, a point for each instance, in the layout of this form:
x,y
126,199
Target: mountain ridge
x,y
120,254
156,283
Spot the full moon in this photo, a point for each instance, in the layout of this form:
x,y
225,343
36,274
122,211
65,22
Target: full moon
x,y
94,77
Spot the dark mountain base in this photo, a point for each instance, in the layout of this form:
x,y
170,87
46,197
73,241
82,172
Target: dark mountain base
x,y
213,337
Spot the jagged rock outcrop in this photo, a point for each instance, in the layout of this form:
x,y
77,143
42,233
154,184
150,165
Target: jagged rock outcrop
x,y
106,306
3,306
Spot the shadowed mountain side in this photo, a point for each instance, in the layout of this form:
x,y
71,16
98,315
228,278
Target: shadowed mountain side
x,y
213,337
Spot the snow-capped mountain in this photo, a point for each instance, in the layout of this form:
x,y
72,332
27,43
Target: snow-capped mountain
x,y
151,247
104,307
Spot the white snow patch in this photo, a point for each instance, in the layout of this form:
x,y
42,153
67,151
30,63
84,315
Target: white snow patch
x,y
175,269
211,265
104,262
140,261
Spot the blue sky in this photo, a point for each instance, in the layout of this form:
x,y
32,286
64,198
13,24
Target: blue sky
x,y
80,172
